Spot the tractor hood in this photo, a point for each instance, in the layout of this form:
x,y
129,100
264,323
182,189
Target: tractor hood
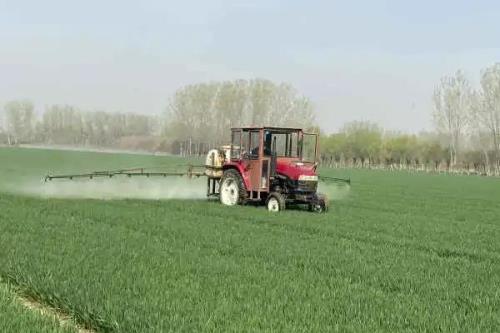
x,y
293,169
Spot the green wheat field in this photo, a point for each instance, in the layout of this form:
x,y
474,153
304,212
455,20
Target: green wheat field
x,y
396,252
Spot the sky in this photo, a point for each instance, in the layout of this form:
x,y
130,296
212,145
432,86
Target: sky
x,y
356,60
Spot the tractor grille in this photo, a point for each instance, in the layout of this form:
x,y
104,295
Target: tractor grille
x,y
307,185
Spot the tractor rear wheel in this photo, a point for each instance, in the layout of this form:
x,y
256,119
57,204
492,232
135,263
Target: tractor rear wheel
x,y
232,188
275,202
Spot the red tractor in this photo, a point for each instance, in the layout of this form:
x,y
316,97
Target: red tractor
x,y
271,165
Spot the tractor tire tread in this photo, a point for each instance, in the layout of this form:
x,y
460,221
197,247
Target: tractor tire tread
x,y
280,198
243,194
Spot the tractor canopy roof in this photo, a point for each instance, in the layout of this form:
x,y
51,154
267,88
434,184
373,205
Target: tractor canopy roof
x,y
271,128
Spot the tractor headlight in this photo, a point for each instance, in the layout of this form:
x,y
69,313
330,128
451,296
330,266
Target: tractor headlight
x,y
308,178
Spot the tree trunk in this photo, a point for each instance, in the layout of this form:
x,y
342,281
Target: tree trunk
x,y
497,152
486,162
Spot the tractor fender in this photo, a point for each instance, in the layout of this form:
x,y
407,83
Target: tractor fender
x,y
241,170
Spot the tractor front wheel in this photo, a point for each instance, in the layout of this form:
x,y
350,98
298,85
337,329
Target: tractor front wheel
x,y
232,188
275,202
320,205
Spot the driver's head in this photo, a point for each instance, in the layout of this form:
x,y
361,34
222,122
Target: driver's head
x,y
268,137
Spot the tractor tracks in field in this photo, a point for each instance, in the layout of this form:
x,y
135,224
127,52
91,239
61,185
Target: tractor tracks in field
x,y
63,319
44,310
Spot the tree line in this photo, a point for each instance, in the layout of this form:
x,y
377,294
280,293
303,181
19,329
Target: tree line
x,y
367,145
466,136
68,125
199,116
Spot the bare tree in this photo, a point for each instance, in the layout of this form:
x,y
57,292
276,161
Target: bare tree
x,y
452,105
19,121
204,112
487,110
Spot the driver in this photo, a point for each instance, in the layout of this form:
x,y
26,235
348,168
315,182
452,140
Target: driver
x,y
268,138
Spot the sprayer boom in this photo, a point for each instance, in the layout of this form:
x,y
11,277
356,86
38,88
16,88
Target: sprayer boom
x,y
334,179
192,171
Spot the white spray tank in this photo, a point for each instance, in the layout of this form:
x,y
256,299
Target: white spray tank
x,y
213,163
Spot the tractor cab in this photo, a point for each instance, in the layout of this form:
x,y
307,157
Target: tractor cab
x,y
265,163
